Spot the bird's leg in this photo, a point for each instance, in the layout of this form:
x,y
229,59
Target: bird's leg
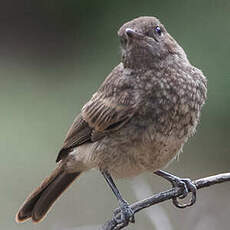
x,y
184,183
126,213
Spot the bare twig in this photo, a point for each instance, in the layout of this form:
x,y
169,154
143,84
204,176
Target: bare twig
x,y
156,214
167,195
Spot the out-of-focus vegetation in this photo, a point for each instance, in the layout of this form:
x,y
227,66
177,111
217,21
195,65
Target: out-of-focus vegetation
x,y
54,55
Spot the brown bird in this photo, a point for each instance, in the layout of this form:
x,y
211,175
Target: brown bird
x,y
137,121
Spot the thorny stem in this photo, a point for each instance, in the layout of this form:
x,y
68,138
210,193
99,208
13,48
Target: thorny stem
x,y
167,195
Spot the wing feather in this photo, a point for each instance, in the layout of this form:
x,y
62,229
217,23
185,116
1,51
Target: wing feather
x,y
107,111
100,112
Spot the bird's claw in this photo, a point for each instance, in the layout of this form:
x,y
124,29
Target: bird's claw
x,y
187,186
123,215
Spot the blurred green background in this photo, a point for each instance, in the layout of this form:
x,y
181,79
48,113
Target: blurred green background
x,y
53,56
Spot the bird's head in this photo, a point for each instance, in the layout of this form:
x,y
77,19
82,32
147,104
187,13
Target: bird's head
x,y
145,41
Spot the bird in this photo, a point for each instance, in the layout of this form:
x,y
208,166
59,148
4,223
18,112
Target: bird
x,y
137,121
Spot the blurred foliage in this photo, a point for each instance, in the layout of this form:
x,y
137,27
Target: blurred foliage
x,y
55,54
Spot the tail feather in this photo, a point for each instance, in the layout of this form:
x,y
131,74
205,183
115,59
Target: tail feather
x,y
39,202
50,195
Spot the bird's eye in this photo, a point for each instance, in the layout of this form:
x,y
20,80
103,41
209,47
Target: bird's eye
x,y
158,30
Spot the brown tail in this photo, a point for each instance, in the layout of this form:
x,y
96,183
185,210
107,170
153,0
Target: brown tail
x,y
39,202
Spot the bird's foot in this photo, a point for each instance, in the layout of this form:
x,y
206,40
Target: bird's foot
x,y
123,215
187,186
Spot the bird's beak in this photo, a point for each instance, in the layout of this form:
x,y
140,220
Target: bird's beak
x,y
132,33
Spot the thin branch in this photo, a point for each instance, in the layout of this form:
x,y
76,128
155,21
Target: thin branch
x,y
167,195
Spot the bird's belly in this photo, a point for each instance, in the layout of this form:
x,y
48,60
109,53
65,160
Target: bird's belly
x,y
127,160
